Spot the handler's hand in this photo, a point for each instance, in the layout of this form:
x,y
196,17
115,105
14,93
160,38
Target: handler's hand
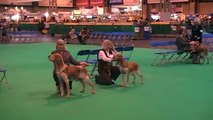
x,y
84,63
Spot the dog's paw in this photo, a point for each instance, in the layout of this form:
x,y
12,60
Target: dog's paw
x,y
67,96
61,95
124,85
92,92
142,82
82,91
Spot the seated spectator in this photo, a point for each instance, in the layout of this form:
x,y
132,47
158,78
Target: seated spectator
x,y
183,40
107,73
83,35
72,36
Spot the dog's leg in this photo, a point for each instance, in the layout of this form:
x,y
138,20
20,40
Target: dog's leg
x,y
122,84
67,87
66,80
202,57
87,79
61,86
127,81
133,74
83,84
207,57
138,72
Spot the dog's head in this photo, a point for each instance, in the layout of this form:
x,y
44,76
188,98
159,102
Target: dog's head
x,y
56,57
194,45
118,57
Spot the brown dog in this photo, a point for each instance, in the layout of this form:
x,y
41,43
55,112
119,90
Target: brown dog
x,y
66,73
128,68
202,50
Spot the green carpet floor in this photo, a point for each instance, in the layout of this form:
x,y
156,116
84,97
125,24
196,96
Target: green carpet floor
x,y
170,92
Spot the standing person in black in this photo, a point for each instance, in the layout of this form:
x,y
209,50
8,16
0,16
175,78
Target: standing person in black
x,y
197,31
107,73
68,59
41,26
4,35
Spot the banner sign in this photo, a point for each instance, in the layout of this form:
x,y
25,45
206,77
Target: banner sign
x,y
64,3
82,3
97,2
14,1
115,2
158,1
131,2
60,3
153,1
179,0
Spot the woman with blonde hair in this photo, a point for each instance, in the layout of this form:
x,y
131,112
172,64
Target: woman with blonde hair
x,y
107,73
68,59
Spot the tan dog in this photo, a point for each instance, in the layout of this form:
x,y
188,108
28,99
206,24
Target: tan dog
x,y
202,49
128,68
66,73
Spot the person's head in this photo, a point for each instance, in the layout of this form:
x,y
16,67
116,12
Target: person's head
x,y
107,45
183,31
197,20
60,45
180,31
85,28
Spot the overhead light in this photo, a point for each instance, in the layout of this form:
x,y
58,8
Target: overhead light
x,y
46,14
16,8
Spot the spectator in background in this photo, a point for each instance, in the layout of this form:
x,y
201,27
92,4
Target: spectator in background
x,y
72,35
41,26
83,35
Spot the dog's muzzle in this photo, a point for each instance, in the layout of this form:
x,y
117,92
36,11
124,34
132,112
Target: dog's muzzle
x,y
49,57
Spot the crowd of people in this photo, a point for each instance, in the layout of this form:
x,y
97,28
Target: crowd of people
x,y
206,22
82,36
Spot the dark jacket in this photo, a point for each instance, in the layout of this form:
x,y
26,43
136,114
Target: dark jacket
x,y
182,43
197,32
